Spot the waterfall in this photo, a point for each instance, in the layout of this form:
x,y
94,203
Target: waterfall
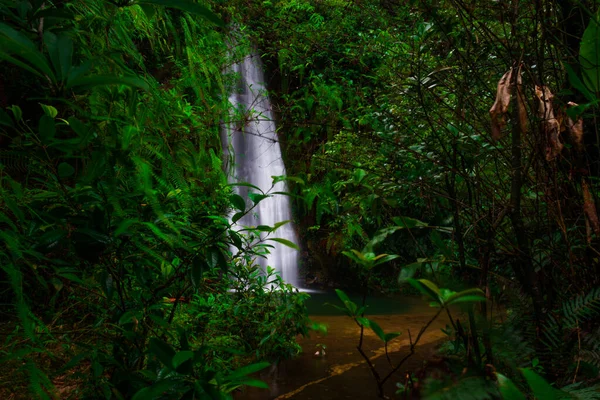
x,y
257,157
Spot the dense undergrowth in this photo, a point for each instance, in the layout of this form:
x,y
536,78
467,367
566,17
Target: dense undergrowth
x,y
116,262
456,138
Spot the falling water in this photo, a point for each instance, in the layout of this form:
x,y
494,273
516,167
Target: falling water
x,y
257,156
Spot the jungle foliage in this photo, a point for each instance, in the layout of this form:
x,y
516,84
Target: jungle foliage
x,y
457,137
116,250
478,119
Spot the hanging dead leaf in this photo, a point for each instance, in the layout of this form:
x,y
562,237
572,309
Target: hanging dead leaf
x,y
589,207
549,123
575,130
500,106
522,109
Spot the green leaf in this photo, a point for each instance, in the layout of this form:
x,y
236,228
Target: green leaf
x,y
541,389
427,287
409,223
182,357
47,129
255,383
154,391
188,6
237,216
65,170
508,390
359,175
468,295
49,110
60,49
238,202
377,329
13,42
247,370
353,257
163,351
589,55
408,271
5,119
245,184
383,258
280,224
257,198
285,242
17,113
197,271
351,307
578,84
391,335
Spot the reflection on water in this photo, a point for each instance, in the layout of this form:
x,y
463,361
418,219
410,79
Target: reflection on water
x,y
341,373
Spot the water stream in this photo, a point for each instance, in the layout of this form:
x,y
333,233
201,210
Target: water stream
x,y
255,149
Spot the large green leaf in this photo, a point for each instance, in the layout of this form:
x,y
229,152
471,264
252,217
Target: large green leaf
x,y
163,351
508,390
154,391
578,84
188,6
60,49
14,44
238,202
541,389
589,55
182,357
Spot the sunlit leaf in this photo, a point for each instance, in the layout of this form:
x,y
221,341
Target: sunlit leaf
x,y
377,329
427,287
508,390
285,242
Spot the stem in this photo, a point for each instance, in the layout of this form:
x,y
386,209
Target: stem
x,y
412,347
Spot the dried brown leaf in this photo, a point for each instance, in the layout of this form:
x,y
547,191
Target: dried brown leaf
x,y
522,109
575,130
500,106
589,207
550,125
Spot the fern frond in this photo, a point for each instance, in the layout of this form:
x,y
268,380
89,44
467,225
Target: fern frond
x,y
583,393
582,308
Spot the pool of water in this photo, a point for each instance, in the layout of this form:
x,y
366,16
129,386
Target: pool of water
x,y
342,373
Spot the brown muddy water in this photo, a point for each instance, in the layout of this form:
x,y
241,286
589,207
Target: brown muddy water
x,y
342,373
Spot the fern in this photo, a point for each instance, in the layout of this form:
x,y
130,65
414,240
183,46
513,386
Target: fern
x,y
582,308
583,393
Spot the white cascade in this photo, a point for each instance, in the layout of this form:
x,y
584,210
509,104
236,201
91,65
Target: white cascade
x,y
257,157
